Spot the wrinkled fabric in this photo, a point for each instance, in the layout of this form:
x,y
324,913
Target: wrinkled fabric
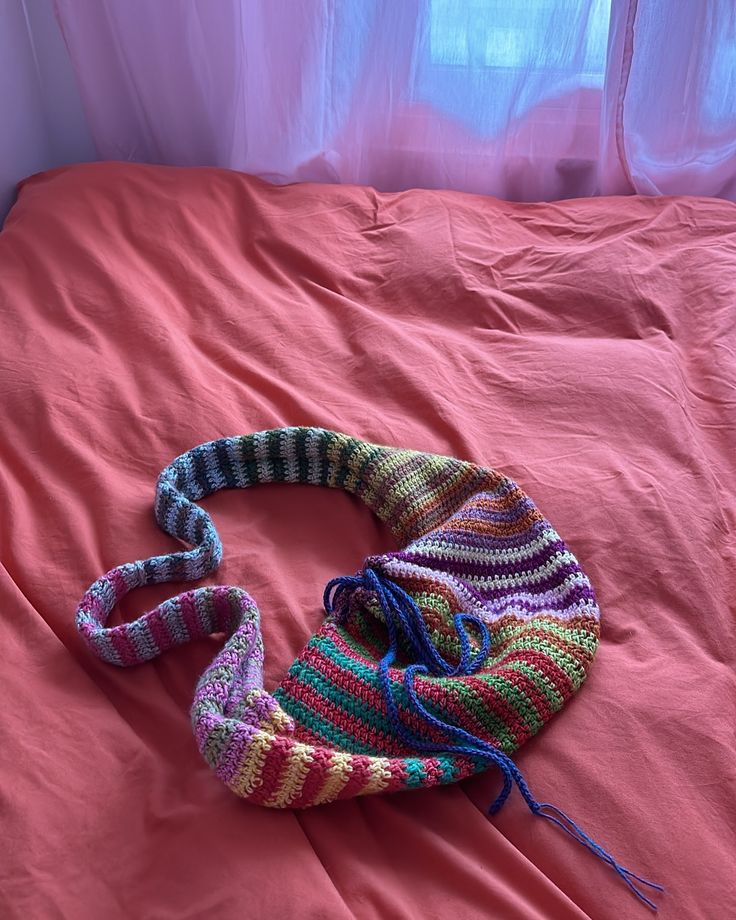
x,y
584,348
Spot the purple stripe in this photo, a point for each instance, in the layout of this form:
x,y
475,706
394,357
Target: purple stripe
x,y
518,510
469,538
490,566
560,602
231,761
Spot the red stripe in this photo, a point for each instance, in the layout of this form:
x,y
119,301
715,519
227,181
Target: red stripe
x,y
516,726
458,714
359,776
547,666
274,762
123,646
398,771
526,685
315,779
428,690
310,696
372,697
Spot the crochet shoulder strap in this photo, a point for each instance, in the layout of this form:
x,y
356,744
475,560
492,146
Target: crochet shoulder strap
x,y
409,490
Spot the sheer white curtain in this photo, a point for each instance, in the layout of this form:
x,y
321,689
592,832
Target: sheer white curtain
x,y
42,122
523,99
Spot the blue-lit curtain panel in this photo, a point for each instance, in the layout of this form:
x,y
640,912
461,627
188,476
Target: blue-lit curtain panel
x,y
523,99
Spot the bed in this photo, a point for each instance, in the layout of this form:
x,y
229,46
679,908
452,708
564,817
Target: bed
x,y
586,348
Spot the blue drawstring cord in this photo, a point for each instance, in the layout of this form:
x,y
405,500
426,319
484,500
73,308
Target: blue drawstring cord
x,y
403,617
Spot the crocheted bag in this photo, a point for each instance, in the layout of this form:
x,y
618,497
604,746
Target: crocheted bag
x,y
434,662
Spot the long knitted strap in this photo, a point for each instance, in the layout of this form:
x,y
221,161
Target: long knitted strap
x,y
191,615
406,488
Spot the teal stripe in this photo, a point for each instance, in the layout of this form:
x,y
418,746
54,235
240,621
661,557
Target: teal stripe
x,y
415,772
369,675
331,735
348,702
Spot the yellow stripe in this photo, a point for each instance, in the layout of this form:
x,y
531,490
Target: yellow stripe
x,y
356,463
379,778
278,722
338,774
386,468
294,773
249,778
335,451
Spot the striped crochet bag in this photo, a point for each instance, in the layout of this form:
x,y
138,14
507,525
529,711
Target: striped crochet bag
x,y
435,661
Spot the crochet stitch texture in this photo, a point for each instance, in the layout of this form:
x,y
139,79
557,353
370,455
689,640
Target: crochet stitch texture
x,y
484,621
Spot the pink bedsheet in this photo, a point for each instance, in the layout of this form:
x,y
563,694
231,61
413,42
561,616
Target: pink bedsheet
x,y
586,348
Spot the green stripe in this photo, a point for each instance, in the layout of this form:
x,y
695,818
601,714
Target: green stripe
x,y
517,699
250,466
345,471
540,681
426,496
567,663
372,456
275,454
587,641
325,443
300,446
375,644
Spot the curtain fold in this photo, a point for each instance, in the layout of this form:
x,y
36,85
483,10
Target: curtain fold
x,y
678,112
524,100
42,123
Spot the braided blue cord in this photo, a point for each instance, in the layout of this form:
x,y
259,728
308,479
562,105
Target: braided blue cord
x,y
403,617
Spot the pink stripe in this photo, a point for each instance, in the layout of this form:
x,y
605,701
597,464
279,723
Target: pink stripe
x,y
119,584
223,611
397,769
189,615
274,763
360,776
315,779
123,646
94,606
158,624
